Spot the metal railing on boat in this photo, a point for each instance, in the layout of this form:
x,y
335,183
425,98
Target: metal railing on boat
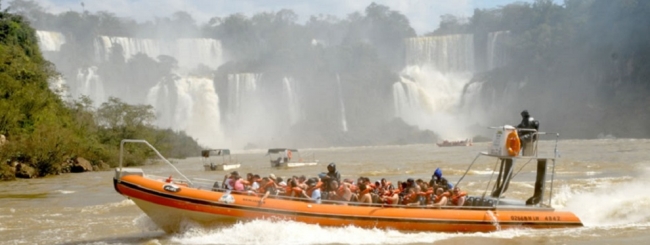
x,y
152,148
535,134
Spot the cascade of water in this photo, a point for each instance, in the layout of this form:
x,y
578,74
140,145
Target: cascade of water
x,y
428,98
242,95
90,84
497,53
50,41
196,108
292,100
344,121
188,52
450,53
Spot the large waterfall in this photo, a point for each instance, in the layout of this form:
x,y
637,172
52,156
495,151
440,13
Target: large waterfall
x,y
188,52
50,41
451,53
190,104
431,86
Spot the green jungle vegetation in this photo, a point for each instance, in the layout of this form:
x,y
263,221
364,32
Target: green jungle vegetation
x,y
42,131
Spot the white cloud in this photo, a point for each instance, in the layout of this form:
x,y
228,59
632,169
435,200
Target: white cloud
x,y
424,15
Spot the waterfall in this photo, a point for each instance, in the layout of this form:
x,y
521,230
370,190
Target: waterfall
x,y
242,95
188,52
344,121
497,51
195,111
50,41
293,104
428,98
451,53
91,85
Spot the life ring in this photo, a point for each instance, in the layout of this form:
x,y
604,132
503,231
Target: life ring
x,y
289,155
512,143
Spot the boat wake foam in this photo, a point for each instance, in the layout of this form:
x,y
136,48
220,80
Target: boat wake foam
x,y
613,204
290,232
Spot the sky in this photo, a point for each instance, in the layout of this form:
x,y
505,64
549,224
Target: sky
x,y
424,15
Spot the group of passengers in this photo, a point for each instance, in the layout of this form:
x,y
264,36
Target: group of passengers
x,y
329,187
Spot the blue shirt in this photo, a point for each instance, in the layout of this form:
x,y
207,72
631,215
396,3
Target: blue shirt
x,y
315,196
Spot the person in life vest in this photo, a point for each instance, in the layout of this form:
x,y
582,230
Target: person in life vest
x,y
364,194
440,198
331,175
267,187
457,197
313,192
528,135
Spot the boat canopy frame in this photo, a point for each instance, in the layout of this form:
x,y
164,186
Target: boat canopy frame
x,y
542,161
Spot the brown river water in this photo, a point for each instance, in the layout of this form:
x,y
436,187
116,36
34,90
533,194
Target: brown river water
x,y
605,182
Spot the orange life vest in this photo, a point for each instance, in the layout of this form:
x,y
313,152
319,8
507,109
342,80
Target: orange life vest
x,y
262,189
455,198
310,190
439,197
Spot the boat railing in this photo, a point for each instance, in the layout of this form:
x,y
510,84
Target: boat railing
x,y
152,148
536,135
377,205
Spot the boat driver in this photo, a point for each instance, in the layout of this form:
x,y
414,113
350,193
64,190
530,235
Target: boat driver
x,y
526,137
331,174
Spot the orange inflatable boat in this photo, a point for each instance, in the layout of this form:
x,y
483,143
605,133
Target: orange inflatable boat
x,y
168,203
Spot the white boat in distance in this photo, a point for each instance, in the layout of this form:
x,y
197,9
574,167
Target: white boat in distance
x,y
288,158
210,164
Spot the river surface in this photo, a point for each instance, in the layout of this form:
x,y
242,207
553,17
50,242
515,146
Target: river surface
x,y
605,182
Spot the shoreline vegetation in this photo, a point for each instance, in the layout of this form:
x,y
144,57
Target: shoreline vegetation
x,y
43,135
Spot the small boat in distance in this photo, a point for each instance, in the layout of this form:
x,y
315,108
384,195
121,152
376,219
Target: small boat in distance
x,y
210,164
445,143
285,158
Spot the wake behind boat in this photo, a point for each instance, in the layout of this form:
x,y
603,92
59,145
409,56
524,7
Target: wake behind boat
x,y
168,202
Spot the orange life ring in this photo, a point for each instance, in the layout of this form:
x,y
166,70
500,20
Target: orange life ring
x,y
289,155
512,143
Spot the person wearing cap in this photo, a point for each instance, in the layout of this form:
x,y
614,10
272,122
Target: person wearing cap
x,y
527,136
438,181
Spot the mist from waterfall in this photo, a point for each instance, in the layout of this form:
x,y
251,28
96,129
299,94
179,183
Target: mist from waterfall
x,y
190,104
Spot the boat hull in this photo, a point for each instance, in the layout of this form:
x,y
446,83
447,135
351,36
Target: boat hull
x,y
169,208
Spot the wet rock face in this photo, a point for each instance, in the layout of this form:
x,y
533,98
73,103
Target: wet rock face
x,y
80,165
25,171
